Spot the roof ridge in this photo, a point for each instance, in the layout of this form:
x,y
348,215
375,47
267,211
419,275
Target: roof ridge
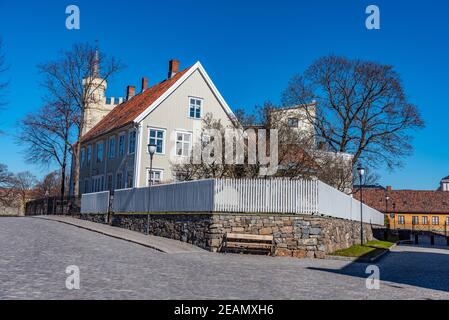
x,y
125,112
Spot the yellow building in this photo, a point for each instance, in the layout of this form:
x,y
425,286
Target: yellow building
x,y
417,210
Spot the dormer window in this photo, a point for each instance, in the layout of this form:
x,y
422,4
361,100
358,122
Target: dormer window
x,y
195,108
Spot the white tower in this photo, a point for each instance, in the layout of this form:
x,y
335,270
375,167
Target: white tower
x,y
99,106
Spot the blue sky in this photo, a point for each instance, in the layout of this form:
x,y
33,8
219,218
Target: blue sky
x,y
249,48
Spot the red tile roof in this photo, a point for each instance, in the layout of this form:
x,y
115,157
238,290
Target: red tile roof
x,y
127,111
407,201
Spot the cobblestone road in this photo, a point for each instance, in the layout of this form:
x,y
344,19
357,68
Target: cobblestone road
x,y
34,255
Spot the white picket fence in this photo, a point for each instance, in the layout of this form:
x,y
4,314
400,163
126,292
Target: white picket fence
x,y
266,195
97,202
238,196
191,196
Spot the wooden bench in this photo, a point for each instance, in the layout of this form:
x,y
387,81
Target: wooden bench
x,y
248,242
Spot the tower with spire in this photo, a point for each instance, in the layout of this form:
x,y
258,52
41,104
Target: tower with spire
x,y
99,105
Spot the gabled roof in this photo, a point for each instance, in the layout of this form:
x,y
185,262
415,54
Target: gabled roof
x,y
139,106
125,113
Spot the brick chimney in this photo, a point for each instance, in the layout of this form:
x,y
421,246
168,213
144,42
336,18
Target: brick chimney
x,y
388,188
130,92
173,68
144,83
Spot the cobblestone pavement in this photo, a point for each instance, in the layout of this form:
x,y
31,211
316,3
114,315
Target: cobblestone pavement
x,y
34,254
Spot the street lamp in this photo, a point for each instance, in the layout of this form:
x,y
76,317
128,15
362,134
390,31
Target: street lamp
x,y
151,150
361,172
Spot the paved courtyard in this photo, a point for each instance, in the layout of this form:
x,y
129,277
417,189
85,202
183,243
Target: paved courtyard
x,y
34,254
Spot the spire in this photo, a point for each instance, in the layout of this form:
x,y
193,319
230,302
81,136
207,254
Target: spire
x,y
96,67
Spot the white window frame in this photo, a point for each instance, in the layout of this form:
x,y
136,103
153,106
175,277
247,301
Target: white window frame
x,y
112,156
89,154
401,219
437,219
164,137
83,157
101,142
127,179
183,132
122,185
425,218
161,171
201,108
97,182
122,135
129,141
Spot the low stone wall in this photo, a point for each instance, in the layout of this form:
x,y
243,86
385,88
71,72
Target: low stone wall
x,y
94,217
294,235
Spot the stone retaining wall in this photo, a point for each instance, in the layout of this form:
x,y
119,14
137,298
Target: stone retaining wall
x,y
294,235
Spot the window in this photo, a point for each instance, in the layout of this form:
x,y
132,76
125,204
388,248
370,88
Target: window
x,y
97,183
110,185
435,220
130,180
111,148
89,154
183,144
86,186
83,157
425,220
119,181
156,137
195,108
156,176
121,144
100,147
293,122
415,220
132,142
401,220
447,221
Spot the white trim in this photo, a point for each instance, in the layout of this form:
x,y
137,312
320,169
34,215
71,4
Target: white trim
x,y
114,136
164,139
201,108
154,170
196,66
121,134
137,156
129,139
176,142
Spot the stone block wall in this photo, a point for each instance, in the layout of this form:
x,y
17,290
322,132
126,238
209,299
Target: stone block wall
x,y
294,235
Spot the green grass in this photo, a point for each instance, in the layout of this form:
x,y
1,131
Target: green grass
x,y
369,249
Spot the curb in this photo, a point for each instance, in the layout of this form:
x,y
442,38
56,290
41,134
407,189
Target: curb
x,y
103,233
361,260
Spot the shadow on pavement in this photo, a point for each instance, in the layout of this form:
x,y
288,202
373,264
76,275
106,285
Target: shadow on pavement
x,y
420,269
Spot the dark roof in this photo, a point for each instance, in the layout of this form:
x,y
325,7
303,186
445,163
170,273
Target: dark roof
x,y
125,113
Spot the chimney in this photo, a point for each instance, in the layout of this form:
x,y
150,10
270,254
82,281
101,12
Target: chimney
x,y
173,68
388,188
144,83
130,91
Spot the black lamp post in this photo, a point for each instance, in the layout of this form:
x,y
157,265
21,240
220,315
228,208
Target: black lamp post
x,y
151,150
361,172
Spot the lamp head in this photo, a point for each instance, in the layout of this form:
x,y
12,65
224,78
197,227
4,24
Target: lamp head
x,y
360,170
151,148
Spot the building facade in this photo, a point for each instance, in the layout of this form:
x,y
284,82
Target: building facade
x,y
114,153
416,210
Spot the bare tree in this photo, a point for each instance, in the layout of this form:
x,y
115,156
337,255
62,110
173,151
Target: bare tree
x,y
71,80
361,109
50,185
23,185
46,136
6,186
